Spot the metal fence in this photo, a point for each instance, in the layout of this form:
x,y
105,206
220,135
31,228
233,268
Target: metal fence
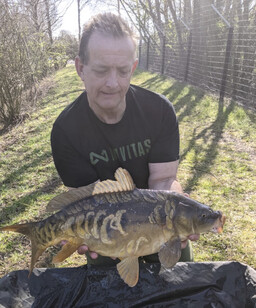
x,y
216,50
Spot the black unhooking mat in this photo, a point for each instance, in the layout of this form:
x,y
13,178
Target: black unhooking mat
x,y
193,285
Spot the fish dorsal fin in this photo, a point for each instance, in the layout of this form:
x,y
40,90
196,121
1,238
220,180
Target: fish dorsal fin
x,y
123,182
74,194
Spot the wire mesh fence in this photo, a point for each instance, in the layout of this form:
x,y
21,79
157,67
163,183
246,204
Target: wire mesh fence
x,y
214,47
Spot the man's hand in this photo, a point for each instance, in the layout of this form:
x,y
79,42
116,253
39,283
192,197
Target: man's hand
x,y
83,249
192,237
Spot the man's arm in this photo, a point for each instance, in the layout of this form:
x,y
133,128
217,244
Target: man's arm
x,y
163,176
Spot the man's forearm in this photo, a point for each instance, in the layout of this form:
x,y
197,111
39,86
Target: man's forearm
x,y
168,184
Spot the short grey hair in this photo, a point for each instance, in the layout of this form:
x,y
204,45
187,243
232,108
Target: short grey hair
x,y
108,24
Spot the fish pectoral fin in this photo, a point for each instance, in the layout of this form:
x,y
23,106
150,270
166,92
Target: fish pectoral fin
x,y
128,270
36,253
65,252
170,252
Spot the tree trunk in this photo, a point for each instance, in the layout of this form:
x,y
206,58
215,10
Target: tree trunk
x,y
48,18
79,21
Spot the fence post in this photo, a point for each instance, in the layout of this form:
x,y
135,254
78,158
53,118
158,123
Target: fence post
x,y
148,53
163,55
189,48
227,54
188,56
225,68
140,44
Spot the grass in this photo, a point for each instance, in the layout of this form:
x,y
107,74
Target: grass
x,y
217,167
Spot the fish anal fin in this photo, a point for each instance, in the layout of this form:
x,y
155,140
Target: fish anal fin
x,y
170,252
128,270
124,182
66,251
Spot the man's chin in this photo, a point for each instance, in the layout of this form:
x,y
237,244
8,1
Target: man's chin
x,y
110,102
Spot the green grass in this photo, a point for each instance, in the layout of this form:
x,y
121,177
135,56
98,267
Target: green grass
x,y
217,167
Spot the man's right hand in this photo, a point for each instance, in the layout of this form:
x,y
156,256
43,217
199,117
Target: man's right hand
x,y
83,249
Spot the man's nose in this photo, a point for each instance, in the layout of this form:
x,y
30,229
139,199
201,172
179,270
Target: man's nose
x,y
112,80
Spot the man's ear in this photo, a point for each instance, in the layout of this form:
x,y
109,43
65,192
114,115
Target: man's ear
x,y
79,67
135,65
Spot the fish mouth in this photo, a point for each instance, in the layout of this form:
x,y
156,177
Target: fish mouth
x,y
218,225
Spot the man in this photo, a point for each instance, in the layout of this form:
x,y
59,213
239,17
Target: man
x,y
114,124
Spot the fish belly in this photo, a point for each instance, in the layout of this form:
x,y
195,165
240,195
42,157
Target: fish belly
x,y
137,241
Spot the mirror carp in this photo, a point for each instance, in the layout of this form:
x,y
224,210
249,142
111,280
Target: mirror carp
x,y
115,219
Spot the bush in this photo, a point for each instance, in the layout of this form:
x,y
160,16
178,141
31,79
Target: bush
x,y
27,55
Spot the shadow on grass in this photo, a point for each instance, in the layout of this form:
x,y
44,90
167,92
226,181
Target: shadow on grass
x,y
64,94
153,82
52,97
214,133
204,154
186,103
19,206
13,178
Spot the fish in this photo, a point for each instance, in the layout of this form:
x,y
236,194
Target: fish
x,y
118,220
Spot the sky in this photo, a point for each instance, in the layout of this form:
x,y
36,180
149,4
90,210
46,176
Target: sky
x,y
69,21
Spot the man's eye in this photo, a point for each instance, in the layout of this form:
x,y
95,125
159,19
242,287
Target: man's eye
x,y
124,72
100,72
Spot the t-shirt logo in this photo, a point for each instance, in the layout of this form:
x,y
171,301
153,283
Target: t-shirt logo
x,y
123,153
94,157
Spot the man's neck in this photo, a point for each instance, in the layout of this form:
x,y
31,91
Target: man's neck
x,y
109,116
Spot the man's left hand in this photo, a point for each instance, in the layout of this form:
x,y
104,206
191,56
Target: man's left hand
x,y
192,237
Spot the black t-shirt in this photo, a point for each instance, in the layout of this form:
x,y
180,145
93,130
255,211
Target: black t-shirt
x,y
86,150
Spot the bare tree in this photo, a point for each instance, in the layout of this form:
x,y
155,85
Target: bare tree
x,y
13,62
80,6
48,19
27,53
42,15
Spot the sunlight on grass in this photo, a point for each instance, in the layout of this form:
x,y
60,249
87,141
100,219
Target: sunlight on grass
x,y
217,167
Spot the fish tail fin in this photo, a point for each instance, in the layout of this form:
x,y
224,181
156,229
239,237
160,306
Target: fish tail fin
x,y
20,228
27,229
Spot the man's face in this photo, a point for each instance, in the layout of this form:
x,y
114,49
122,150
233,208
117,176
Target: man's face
x,y
107,74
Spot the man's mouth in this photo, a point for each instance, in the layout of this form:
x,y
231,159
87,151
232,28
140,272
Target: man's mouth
x,y
109,93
